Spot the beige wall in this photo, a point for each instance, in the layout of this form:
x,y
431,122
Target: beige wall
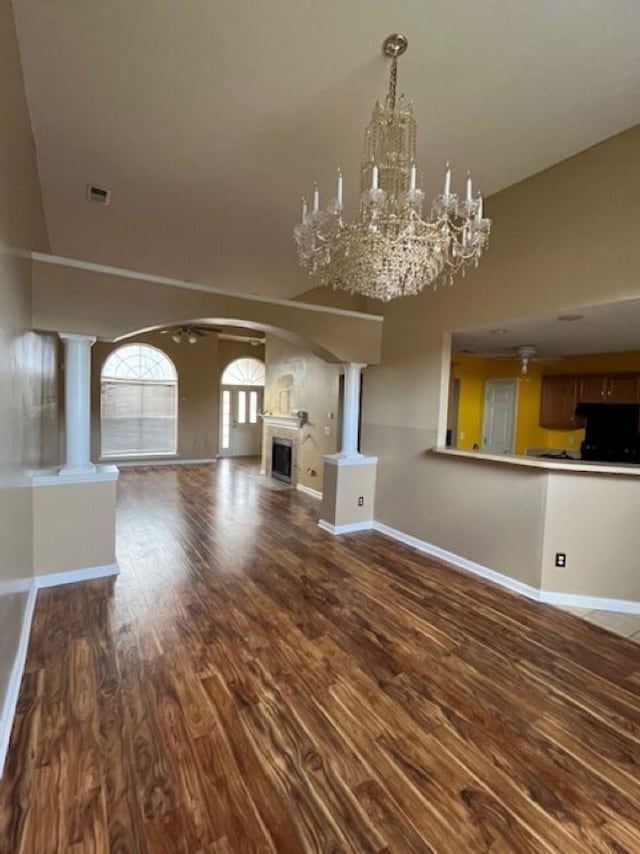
x,y
27,362
594,521
74,527
71,299
344,485
199,368
561,239
314,388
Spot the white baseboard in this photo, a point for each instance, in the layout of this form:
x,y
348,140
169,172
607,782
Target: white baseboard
x,y
126,464
53,579
15,680
314,493
591,603
573,600
345,529
457,560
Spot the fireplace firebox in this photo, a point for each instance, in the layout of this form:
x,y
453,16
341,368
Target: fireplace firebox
x,y
281,459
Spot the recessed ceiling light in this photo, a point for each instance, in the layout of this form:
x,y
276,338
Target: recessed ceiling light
x,y
569,318
497,332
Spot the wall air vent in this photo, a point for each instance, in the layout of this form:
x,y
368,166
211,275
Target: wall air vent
x,y
98,194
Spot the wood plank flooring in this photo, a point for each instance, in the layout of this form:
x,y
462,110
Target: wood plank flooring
x,y
251,683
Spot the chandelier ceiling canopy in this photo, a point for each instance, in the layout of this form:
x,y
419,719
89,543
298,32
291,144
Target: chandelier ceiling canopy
x,y
392,249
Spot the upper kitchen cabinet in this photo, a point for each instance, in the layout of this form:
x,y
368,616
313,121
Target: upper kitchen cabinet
x,y
558,403
623,388
561,395
592,388
609,388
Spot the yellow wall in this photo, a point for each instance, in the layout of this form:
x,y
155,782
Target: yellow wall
x,y
473,372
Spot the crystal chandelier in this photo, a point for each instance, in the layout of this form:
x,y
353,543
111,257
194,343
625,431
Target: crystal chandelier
x,y
392,249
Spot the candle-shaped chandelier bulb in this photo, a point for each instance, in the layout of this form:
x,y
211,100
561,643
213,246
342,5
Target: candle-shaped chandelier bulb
x,y
447,180
469,187
366,256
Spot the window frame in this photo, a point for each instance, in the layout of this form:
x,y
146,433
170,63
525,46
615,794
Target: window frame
x,y
114,380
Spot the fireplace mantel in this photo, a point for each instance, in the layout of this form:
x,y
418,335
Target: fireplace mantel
x,y
288,422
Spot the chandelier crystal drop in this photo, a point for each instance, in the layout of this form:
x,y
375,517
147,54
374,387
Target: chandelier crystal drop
x,y
392,249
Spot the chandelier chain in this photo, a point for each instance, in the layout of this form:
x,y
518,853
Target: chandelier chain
x,y
393,83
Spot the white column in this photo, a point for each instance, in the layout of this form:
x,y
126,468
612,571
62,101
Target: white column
x,y
77,402
351,409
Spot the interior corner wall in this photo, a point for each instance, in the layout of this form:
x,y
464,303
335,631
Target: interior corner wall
x,y
560,240
28,407
314,387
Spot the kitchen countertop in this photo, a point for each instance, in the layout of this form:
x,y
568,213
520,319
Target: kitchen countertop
x,y
558,465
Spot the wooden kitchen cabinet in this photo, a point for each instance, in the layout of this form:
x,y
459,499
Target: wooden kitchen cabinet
x,y
592,388
558,403
609,388
623,388
561,395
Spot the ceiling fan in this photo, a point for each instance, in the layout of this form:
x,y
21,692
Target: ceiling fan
x,y
188,334
527,353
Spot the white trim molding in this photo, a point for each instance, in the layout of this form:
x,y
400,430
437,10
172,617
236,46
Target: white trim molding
x,y
287,422
77,264
458,561
91,573
351,528
343,460
314,493
549,597
15,679
64,477
163,461
590,603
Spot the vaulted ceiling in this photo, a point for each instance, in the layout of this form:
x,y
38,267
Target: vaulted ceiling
x,y
207,119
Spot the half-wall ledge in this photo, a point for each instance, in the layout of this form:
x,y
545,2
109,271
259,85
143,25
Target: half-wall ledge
x,y
66,476
568,466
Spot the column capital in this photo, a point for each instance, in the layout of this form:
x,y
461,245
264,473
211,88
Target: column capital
x,y
74,336
354,366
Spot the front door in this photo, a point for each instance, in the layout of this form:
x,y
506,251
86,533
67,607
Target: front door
x,y
499,419
240,427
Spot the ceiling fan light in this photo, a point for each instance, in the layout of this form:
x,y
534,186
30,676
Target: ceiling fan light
x,y
192,338
177,337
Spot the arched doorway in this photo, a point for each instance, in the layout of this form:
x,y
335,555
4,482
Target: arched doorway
x,y
240,405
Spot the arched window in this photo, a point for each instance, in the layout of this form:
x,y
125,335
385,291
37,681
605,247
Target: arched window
x,y
138,402
244,372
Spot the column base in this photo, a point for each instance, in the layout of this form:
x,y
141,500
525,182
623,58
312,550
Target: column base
x,y
348,493
86,468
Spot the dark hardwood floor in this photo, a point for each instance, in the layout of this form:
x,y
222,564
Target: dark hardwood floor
x,y
251,683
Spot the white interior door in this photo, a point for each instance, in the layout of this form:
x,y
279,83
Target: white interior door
x,y
240,427
499,420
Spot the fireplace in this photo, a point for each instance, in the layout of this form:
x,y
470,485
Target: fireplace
x,y
281,459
